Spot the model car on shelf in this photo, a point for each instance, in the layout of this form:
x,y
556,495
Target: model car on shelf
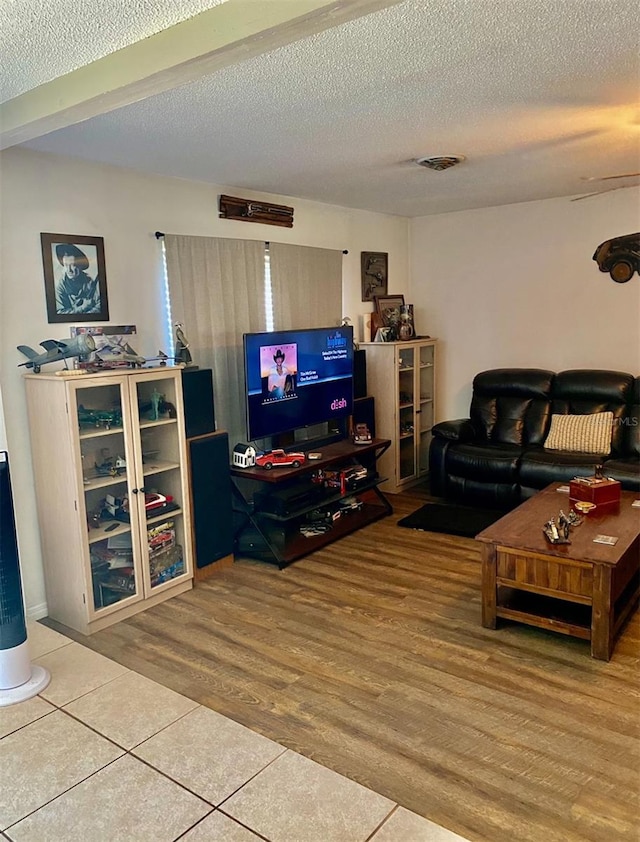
x,y
156,501
361,434
279,459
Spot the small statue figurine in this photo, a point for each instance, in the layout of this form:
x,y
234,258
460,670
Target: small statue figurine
x,y
560,532
156,397
182,353
598,472
564,527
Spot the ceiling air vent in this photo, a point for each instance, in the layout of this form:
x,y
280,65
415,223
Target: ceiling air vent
x,y
439,162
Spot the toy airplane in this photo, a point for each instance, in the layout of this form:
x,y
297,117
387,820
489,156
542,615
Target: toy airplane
x,y
123,357
120,355
55,349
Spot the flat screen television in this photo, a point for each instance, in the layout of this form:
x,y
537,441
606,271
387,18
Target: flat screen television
x,y
297,378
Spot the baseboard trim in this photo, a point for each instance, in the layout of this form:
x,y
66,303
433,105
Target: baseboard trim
x,y
37,612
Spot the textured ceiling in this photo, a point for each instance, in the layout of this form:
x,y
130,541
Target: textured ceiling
x,y
40,41
537,95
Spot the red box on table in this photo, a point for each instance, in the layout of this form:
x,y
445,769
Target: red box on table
x,y
601,492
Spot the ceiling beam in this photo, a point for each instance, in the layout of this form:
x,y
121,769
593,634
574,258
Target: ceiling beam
x,y
231,32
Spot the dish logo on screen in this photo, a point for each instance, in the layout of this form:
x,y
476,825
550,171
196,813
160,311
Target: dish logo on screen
x,y
340,403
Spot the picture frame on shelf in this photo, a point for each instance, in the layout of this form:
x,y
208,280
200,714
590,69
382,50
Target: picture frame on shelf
x,y
110,341
374,273
388,308
383,334
75,280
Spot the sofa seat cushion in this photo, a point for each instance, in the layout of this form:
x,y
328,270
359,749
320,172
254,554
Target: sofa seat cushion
x,y
539,468
479,461
626,471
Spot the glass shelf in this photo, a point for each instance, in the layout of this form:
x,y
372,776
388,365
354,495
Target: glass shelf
x,y
93,434
90,484
161,422
100,534
158,467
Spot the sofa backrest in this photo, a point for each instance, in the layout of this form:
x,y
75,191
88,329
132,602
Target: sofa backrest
x,y
511,405
585,391
631,424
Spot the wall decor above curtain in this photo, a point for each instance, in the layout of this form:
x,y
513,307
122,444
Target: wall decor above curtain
x,y
251,210
75,279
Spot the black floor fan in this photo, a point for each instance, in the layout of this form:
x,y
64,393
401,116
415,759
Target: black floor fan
x,y
19,680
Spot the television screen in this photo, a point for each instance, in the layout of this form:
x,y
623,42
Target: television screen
x,y
296,378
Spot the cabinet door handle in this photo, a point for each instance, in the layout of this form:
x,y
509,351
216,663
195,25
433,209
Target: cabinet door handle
x,y
134,490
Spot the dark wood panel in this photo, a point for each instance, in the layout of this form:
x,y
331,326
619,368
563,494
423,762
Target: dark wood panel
x,y
369,656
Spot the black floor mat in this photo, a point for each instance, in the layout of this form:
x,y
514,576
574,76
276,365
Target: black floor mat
x,y
454,520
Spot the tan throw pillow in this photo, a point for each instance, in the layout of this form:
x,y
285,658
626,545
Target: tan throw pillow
x,y
581,433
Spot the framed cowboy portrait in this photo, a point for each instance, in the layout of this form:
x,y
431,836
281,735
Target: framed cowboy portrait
x,y
75,279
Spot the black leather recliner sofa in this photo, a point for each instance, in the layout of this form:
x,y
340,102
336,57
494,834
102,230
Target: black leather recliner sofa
x,y
496,457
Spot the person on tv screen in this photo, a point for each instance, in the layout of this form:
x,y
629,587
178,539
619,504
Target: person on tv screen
x,y
279,383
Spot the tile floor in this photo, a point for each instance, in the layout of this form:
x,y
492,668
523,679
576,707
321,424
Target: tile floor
x,y
106,754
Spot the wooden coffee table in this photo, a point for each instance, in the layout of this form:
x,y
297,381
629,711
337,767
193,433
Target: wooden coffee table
x,y
582,589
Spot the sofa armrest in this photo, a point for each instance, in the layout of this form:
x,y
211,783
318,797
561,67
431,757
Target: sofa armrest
x,y
459,430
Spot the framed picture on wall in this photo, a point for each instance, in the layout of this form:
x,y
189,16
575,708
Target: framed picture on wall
x,y
75,279
374,270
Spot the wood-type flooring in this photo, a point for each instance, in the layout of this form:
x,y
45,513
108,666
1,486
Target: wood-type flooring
x,y
369,657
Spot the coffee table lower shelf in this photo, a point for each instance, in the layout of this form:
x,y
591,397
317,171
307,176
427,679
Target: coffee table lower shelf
x,y
545,612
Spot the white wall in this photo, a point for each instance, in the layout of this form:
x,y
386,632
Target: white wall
x,y
516,286
3,434
44,193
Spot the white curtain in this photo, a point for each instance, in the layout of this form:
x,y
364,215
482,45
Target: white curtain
x,y
306,285
216,288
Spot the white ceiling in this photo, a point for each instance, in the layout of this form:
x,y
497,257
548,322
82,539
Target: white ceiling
x,y
536,94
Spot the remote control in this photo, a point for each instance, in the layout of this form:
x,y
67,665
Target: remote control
x,y
111,526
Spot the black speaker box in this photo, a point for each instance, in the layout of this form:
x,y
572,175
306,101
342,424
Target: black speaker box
x,y
359,374
197,392
364,413
212,514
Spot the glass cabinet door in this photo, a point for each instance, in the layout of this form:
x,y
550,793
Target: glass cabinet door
x,y
165,538
406,412
106,460
425,419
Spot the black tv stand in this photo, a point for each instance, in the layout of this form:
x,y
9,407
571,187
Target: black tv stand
x,y
273,506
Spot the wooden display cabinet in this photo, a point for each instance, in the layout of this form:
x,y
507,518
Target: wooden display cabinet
x,y
401,376
106,447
